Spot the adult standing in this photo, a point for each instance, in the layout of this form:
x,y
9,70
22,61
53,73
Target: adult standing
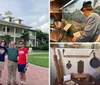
x,y
12,63
3,52
22,62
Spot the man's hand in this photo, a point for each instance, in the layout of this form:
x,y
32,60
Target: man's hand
x,y
76,35
27,65
74,39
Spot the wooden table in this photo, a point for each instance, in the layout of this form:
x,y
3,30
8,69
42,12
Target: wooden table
x,y
81,81
79,75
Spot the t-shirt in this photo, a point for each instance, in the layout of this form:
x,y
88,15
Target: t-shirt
x,y
12,54
3,51
22,52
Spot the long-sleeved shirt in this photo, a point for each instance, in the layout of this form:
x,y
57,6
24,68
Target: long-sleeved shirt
x,y
92,29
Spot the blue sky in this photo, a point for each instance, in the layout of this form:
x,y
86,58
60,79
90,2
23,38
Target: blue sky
x,y
35,13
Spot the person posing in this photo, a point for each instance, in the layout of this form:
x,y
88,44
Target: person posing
x,y
3,52
22,62
12,63
92,28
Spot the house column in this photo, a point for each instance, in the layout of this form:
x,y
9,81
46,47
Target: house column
x,y
5,30
37,44
29,42
14,34
22,31
35,39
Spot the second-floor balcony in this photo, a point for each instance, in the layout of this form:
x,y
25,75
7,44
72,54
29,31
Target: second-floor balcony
x,y
32,37
18,35
2,33
10,33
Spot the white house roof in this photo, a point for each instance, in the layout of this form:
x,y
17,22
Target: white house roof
x,y
17,19
3,22
33,30
8,17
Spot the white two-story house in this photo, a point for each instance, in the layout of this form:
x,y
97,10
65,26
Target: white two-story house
x,y
14,27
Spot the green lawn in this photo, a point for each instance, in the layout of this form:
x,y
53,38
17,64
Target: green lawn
x,y
39,60
39,51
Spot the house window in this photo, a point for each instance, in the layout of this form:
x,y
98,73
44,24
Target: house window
x,y
16,30
34,33
25,30
3,29
8,29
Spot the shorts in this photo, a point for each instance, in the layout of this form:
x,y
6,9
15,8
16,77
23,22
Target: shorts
x,y
1,66
21,67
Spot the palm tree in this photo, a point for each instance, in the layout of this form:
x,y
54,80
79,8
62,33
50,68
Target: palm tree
x,y
95,1
8,13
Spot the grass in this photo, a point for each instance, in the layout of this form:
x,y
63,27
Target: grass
x,y
40,51
39,60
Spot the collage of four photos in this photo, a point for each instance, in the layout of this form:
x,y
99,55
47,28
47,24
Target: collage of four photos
x,y
50,42
74,42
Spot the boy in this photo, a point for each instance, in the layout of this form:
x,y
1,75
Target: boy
x,y
22,62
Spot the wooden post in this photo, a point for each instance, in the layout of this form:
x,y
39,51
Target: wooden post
x,y
56,63
14,34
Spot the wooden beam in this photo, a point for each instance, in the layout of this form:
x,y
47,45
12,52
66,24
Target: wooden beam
x,y
52,0
54,11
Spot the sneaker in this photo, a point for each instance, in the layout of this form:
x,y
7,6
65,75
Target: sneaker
x,y
8,84
15,83
23,83
0,83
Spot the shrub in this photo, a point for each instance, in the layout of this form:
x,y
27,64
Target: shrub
x,y
44,47
35,48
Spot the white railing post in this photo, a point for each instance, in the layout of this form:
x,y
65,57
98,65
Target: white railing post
x,y
14,34
35,38
6,30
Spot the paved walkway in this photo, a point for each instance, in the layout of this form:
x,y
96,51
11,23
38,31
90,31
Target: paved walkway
x,y
38,53
35,75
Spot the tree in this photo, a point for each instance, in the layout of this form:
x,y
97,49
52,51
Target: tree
x,y
97,10
95,1
7,38
43,40
25,36
75,16
8,13
42,37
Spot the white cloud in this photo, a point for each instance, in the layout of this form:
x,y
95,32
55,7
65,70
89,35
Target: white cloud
x,y
34,24
43,18
34,14
44,27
